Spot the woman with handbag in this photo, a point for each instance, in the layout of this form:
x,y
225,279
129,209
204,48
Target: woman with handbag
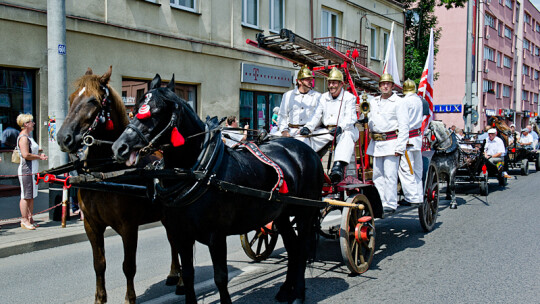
x,y
28,167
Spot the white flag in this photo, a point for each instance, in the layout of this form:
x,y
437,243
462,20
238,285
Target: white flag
x,y
425,88
390,62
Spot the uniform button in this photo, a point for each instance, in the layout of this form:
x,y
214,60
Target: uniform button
x,y
302,108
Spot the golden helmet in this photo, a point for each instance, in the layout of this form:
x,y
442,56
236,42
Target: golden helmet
x,y
409,86
304,72
386,78
335,74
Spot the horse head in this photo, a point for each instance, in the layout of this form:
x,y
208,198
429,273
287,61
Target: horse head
x,y
442,139
502,128
96,111
164,121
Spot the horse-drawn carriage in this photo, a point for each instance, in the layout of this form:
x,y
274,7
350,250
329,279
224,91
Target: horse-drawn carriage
x,y
205,192
519,157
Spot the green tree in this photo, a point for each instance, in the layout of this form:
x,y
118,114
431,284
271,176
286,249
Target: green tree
x,y
419,19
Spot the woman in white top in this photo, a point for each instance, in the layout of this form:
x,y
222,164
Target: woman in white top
x,y
28,149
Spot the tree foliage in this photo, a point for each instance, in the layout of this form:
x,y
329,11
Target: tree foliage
x,y
419,19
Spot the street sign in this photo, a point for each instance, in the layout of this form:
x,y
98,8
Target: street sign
x,y
62,49
451,108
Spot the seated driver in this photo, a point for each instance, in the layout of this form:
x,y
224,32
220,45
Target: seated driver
x,y
494,150
337,113
526,139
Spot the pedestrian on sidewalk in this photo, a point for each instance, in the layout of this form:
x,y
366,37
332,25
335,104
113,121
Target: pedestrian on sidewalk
x,y
28,150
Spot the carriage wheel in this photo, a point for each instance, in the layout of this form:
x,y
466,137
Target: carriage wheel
x,y
357,235
427,211
537,161
484,186
525,167
259,244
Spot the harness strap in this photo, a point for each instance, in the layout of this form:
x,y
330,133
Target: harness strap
x,y
281,185
138,132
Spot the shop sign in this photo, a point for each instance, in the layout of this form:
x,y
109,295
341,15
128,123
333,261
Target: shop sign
x,y
490,112
450,108
252,73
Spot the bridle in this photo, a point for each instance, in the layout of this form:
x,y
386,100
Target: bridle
x,y
149,145
101,117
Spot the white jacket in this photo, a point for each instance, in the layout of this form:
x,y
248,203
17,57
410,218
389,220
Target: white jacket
x,y
387,115
331,110
414,105
297,108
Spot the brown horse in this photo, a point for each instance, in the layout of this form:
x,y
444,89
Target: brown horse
x,y
504,131
93,107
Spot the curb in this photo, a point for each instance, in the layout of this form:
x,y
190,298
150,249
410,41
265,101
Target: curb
x,y
71,238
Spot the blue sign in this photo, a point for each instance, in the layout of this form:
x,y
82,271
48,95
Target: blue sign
x,y
61,49
452,108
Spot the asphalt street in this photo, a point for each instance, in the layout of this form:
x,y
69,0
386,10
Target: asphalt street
x,y
486,251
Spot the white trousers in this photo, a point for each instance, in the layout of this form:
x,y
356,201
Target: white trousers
x,y
344,147
385,175
412,184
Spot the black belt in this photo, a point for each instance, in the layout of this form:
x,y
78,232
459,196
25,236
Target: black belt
x,y
295,126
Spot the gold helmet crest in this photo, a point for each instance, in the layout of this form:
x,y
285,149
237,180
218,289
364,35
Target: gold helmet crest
x,y
335,74
409,87
386,78
304,72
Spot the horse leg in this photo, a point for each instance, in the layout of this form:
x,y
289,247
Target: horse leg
x,y
218,252
95,236
452,183
306,229
129,239
188,271
284,226
174,277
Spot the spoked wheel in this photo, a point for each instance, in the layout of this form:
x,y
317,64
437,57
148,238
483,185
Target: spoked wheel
x,y
484,185
332,232
525,167
259,244
357,235
427,211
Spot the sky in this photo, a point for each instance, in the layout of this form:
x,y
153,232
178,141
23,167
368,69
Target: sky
x,y
536,3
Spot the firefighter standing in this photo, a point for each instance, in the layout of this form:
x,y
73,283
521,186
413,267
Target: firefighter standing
x,y
389,126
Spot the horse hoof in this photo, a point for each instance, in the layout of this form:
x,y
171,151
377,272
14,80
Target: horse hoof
x,y
284,295
298,301
180,290
453,205
172,280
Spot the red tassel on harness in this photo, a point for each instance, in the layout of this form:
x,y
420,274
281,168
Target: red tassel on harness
x,y
144,112
284,189
176,138
109,125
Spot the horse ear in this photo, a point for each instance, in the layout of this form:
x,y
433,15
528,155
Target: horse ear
x,y
105,78
170,86
156,83
89,72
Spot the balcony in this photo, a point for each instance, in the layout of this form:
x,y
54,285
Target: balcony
x,y
343,46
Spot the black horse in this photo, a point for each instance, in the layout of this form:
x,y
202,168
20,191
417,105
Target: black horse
x,y
207,214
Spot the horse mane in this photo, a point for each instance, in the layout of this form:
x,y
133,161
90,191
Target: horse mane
x,y
93,88
442,134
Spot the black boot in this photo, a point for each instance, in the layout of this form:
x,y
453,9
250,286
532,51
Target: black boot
x,y
336,174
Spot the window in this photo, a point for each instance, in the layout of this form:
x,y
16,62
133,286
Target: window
x,y
277,14
536,50
535,74
188,5
373,51
538,26
329,24
526,44
507,63
527,19
256,108
386,36
250,13
506,91
498,90
524,95
525,70
507,32
508,3
499,61
17,95
489,53
500,29
535,98
488,86
489,20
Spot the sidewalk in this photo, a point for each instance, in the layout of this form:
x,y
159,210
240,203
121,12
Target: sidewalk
x,y
15,240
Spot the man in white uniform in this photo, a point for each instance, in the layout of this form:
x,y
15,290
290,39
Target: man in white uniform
x,y
526,140
388,123
494,149
337,114
298,106
412,183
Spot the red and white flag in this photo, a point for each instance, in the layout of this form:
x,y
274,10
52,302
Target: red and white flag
x,y
425,88
390,62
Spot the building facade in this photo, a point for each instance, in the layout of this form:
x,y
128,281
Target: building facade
x,y
506,62
201,42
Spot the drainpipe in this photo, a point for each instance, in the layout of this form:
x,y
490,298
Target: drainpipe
x,y
311,19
